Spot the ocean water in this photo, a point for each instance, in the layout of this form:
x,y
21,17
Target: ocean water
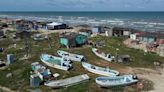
x,y
146,21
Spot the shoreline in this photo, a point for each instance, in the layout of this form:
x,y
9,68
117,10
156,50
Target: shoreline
x,y
141,24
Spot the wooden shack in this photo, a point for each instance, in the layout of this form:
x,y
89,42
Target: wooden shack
x,y
120,31
67,40
123,58
96,30
72,40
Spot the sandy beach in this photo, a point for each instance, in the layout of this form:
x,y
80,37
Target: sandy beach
x,y
153,75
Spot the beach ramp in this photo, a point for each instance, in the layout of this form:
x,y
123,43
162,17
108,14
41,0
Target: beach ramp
x,y
67,82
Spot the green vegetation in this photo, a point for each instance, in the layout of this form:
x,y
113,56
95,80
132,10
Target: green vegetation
x,y
21,68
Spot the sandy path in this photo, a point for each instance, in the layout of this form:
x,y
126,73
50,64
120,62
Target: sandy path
x,y
155,76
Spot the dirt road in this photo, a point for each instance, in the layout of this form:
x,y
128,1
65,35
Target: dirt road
x,y
155,76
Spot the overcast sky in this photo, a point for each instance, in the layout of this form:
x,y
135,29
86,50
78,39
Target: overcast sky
x,y
82,5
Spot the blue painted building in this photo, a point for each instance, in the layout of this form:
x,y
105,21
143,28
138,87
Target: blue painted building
x,y
10,58
96,30
35,80
72,40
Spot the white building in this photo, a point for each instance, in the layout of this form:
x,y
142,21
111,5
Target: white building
x,y
55,25
133,36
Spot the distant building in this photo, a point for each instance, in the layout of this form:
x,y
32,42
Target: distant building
x,y
108,31
134,36
119,31
55,26
151,37
24,23
85,32
96,30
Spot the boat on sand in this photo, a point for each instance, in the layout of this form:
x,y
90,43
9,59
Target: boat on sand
x,y
99,70
71,56
116,81
56,62
67,82
107,57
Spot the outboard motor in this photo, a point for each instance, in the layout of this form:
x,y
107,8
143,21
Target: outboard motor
x,y
135,77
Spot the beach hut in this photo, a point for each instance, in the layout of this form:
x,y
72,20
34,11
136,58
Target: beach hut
x,y
120,31
10,58
72,40
117,31
134,36
55,26
35,80
68,40
80,39
147,37
96,30
108,31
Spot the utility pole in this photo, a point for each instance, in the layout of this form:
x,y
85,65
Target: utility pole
x,y
24,34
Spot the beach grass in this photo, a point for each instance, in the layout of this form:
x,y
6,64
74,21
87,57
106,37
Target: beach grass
x,y
21,68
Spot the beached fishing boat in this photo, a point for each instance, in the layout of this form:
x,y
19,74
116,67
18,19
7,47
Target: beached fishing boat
x,y
107,57
67,82
99,70
116,81
56,62
73,57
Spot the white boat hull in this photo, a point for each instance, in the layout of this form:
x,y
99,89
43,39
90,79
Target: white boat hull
x,y
114,82
104,73
67,82
70,56
101,56
55,65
